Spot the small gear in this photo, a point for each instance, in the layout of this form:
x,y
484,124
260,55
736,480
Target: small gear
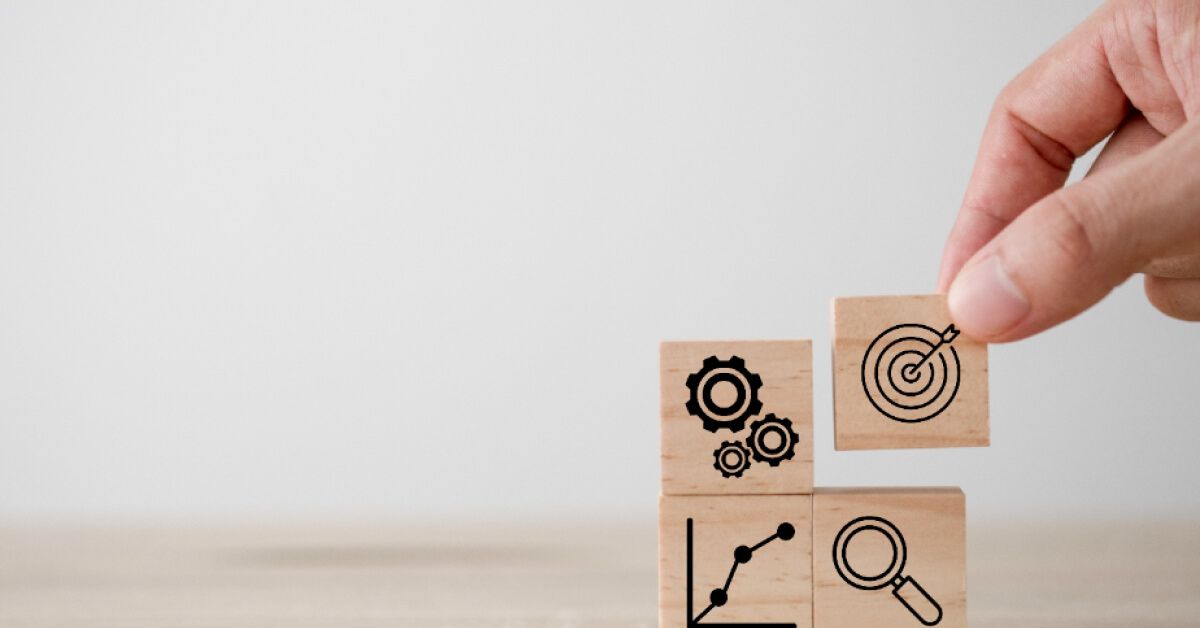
x,y
772,440
716,416
732,459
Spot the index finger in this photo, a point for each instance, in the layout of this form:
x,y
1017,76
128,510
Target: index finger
x,y
1053,112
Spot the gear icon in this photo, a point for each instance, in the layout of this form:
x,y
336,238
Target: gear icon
x,y
717,415
731,459
772,440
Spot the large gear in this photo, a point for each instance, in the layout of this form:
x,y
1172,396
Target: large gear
x,y
770,452
731,459
715,416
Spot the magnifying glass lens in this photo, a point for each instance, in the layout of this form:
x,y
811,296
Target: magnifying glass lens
x,y
870,554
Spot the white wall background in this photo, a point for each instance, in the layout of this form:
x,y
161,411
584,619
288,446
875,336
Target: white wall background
x,y
415,258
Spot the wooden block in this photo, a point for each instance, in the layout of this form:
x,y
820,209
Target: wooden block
x,y
889,558
904,377
737,417
743,559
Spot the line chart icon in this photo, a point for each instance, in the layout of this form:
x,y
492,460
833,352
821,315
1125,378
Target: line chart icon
x,y
719,596
911,372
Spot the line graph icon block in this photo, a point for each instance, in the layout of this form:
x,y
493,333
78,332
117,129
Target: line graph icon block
x,y
737,417
889,558
743,560
904,377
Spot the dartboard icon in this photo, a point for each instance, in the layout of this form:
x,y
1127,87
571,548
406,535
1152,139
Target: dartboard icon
x,y
911,373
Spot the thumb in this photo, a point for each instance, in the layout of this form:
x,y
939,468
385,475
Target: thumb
x,y
1070,249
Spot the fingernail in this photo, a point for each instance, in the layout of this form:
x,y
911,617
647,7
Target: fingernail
x,y
984,301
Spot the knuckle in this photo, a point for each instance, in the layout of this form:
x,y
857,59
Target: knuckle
x,y
984,210
1074,233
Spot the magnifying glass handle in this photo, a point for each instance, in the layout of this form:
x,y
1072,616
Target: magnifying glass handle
x,y
918,602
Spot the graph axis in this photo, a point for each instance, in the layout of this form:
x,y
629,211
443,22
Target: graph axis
x,y
784,532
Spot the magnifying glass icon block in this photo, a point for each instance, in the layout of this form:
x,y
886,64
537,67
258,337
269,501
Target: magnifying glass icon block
x,y
908,591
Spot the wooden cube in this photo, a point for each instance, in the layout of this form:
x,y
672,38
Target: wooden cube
x,y
889,558
744,559
903,376
737,417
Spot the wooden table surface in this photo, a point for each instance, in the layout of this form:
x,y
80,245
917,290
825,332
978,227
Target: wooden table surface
x,y
512,575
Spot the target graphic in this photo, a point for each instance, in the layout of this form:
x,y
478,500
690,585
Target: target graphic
x,y
911,373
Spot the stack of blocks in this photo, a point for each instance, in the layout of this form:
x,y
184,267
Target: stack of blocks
x,y
744,538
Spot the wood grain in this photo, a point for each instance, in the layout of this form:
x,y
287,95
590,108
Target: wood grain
x,y
774,586
785,367
931,527
528,574
860,424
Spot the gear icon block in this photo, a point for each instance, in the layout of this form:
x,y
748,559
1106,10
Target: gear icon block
x,y
736,417
730,411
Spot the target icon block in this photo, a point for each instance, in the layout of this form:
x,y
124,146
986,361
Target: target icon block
x,y
905,377
888,557
737,417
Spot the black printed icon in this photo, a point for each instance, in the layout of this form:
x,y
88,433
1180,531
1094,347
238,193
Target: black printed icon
x,y
731,411
911,372
731,459
724,395
720,596
910,593
772,440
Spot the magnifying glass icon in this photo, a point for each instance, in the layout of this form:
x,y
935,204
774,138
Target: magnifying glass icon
x,y
910,593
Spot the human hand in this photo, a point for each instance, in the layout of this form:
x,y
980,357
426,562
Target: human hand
x,y
1026,253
